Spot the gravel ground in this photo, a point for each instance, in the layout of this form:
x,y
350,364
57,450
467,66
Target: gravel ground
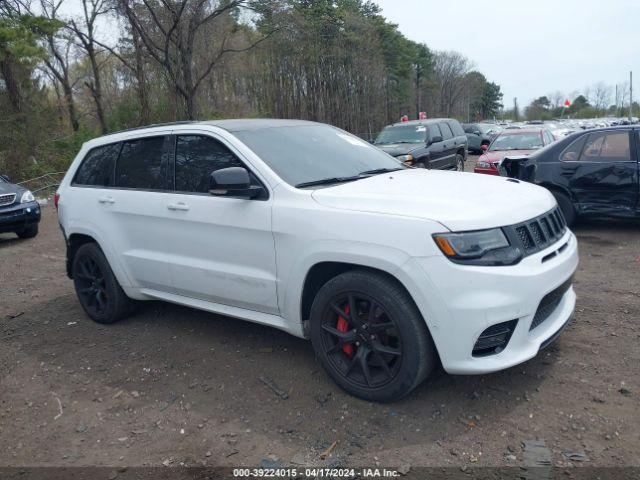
x,y
172,385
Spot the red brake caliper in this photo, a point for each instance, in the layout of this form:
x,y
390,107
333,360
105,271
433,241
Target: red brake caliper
x,y
343,326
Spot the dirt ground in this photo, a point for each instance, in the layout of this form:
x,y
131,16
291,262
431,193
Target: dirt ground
x,y
174,386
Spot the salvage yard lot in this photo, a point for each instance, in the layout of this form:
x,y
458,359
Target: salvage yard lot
x,y
172,385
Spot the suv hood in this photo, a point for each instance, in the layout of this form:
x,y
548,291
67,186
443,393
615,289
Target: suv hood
x,y
459,201
395,149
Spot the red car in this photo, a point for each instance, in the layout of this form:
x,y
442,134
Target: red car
x,y
523,141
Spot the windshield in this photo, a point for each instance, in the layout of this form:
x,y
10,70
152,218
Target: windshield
x,y
403,134
310,153
519,141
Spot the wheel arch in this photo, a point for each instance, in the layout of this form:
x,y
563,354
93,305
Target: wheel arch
x,y
320,273
74,242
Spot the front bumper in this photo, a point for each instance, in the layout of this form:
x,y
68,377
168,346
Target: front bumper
x,y
459,302
19,216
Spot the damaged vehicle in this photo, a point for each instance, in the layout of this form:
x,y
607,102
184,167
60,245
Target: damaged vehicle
x,y
591,173
388,270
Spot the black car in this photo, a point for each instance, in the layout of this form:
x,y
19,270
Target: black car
x,y
19,211
591,173
435,143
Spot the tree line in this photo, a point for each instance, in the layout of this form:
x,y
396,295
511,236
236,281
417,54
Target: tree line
x,y
74,69
597,100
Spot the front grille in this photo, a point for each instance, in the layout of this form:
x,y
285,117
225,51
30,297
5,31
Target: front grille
x,y
540,232
7,199
494,339
549,303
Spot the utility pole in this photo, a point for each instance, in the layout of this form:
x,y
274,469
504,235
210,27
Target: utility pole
x,y
630,96
515,109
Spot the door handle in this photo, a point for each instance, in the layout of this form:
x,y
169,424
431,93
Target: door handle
x,y
178,206
107,199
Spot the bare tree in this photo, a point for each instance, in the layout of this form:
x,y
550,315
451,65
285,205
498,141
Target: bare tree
x,y
170,31
58,62
601,96
85,31
450,69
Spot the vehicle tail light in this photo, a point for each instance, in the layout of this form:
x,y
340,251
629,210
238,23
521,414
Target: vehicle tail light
x,y
56,199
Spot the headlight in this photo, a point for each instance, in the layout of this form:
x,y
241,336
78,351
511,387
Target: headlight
x,y
405,158
483,247
483,165
27,197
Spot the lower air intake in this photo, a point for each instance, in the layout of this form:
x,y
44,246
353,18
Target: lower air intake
x,y
494,339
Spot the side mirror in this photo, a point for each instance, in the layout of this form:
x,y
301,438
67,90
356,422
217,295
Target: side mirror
x,y
478,132
435,139
233,182
484,147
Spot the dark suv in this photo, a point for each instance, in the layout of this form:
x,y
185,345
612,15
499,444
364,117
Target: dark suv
x,y
435,143
19,211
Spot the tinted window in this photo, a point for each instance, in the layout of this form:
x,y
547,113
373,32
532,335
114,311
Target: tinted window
x,y
470,128
456,128
434,131
446,131
141,164
572,152
196,157
97,167
607,147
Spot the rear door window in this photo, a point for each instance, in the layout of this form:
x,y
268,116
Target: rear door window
x,y
96,169
446,131
573,151
607,147
197,156
142,164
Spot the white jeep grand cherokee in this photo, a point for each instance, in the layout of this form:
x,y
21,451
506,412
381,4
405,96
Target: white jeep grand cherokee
x,y
307,228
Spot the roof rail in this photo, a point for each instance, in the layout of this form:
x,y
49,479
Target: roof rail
x,y
168,124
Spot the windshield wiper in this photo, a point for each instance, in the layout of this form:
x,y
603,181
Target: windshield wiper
x,y
380,170
327,181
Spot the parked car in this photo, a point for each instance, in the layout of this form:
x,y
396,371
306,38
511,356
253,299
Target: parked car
x,y
519,142
438,143
19,211
307,228
479,134
591,173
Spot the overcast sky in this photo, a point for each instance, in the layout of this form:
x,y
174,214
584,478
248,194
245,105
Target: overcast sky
x,y
530,48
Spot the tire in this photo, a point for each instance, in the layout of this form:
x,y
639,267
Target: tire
x,y
28,232
566,207
459,163
97,288
348,345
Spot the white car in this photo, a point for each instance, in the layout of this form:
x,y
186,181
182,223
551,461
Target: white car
x,y
309,229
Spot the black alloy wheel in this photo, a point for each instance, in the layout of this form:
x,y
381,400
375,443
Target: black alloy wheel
x,y
90,286
361,340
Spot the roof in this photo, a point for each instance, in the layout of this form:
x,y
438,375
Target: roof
x,y
427,121
231,125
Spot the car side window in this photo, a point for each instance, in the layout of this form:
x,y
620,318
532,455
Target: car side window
x,y
96,169
607,147
548,138
456,128
446,131
196,157
468,128
141,164
573,151
434,131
